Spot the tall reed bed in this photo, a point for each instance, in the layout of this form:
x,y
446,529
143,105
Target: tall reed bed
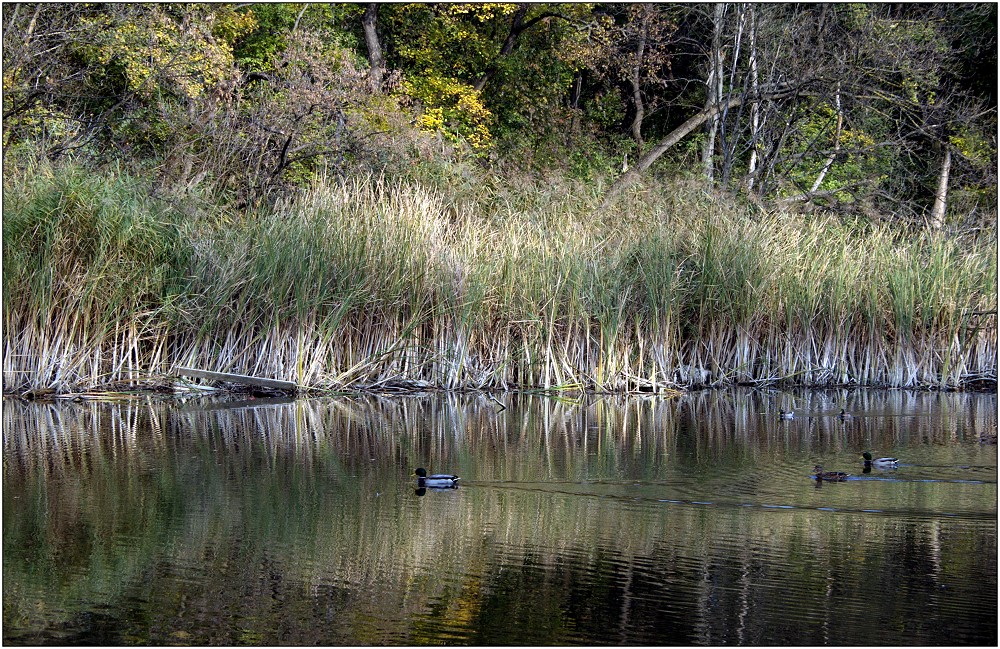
x,y
372,282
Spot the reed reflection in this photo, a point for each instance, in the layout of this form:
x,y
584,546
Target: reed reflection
x,y
594,520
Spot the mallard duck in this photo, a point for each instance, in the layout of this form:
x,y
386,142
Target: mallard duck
x,y
882,462
786,415
844,414
830,476
436,481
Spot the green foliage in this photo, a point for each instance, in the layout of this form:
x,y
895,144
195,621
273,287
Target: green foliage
x,y
528,95
152,49
857,160
975,146
250,102
453,107
257,49
458,39
444,50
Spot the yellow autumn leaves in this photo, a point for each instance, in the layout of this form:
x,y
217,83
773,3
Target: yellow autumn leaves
x,y
154,51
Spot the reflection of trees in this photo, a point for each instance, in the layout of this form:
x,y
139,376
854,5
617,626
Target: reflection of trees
x,y
296,523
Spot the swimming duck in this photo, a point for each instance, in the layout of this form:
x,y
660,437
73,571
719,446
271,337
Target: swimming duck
x,y
881,463
437,480
831,476
844,414
786,415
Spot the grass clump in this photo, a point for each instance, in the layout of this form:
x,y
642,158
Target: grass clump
x,y
89,264
369,282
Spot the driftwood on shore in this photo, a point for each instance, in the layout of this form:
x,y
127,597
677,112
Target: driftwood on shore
x,y
237,378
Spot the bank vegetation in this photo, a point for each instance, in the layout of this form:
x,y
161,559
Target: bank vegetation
x,y
608,197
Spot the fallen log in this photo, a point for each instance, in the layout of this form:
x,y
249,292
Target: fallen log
x,y
237,378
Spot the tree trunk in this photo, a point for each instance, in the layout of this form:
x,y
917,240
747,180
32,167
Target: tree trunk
x,y
636,80
836,144
298,18
714,91
941,196
678,134
755,106
377,70
729,146
574,104
771,159
672,138
517,26
31,26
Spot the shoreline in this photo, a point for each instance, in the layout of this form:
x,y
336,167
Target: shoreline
x,y
172,387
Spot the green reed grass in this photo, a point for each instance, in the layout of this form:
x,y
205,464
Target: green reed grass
x,y
372,282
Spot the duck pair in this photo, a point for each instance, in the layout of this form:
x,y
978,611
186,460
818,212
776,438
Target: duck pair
x,y
840,476
791,415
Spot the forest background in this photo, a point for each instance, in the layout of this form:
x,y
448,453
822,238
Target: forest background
x,y
555,196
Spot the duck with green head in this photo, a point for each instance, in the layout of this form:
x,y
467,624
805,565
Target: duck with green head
x,y
880,463
437,480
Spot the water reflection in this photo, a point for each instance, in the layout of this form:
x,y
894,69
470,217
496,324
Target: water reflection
x,y
594,521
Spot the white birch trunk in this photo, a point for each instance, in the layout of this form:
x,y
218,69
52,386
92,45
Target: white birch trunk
x,y
714,91
941,196
755,106
836,144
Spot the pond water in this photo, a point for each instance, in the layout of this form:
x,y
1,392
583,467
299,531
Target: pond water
x,y
599,520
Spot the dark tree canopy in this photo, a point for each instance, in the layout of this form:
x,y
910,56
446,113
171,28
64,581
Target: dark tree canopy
x,y
884,109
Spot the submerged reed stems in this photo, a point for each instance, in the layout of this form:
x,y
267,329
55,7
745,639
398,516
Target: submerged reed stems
x,y
368,283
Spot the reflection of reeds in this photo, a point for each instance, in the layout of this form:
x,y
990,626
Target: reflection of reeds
x,y
512,444
304,499
371,283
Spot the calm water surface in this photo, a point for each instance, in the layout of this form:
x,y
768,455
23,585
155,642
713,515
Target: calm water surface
x,y
657,521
